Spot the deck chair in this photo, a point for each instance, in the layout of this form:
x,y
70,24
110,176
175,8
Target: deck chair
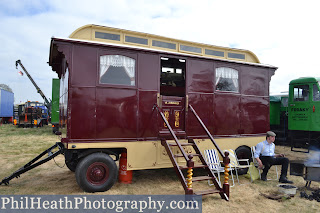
x,y
214,163
234,163
256,164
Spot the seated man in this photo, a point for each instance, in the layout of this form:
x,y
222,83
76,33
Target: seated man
x,y
266,157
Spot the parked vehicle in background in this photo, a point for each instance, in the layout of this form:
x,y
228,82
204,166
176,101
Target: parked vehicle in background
x,y
55,105
297,116
6,106
279,116
304,112
32,114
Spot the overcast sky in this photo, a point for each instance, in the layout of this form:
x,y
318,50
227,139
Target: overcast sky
x,y
283,33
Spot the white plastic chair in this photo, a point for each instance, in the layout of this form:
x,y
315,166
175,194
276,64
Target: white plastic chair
x,y
214,163
234,163
256,164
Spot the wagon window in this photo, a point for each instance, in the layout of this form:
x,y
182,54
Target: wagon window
x,y
301,93
227,79
117,69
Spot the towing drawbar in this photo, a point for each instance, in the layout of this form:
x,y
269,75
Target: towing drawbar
x,y
33,163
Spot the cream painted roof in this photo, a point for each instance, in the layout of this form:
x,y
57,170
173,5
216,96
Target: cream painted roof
x,y
120,36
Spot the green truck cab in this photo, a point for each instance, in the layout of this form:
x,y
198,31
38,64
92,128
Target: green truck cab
x,y
304,104
295,117
304,112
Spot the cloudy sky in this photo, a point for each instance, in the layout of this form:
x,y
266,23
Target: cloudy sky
x,y
283,33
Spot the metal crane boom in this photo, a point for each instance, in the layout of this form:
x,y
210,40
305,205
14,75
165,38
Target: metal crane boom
x,y
47,103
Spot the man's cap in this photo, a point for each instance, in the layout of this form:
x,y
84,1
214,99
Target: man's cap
x,y
270,133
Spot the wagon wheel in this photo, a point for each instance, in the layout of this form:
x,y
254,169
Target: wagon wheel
x,y
96,172
243,153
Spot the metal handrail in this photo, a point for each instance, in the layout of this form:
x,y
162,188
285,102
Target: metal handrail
x,y
172,133
206,130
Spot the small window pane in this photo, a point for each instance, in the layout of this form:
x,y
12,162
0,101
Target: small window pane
x,y
190,49
108,36
214,52
164,44
316,93
117,69
236,55
227,79
301,93
136,40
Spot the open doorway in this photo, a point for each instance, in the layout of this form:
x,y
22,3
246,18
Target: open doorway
x,y
172,79
172,91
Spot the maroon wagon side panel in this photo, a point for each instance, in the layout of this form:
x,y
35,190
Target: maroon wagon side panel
x,y
82,111
199,86
226,113
254,81
85,66
148,84
254,115
116,113
147,119
149,71
203,104
200,76
82,92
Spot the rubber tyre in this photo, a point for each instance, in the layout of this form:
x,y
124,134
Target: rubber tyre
x,y
96,172
243,152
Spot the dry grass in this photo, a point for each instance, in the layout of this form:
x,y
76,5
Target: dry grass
x,y
18,146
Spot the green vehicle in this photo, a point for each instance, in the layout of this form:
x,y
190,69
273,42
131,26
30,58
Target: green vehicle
x,y
298,121
304,112
279,116
55,104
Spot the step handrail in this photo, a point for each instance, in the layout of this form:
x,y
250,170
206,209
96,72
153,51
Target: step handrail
x,y
206,130
172,133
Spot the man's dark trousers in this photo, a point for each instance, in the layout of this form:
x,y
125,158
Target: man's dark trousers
x,y
268,161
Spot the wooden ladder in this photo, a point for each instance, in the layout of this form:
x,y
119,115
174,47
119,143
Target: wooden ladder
x,y
190,165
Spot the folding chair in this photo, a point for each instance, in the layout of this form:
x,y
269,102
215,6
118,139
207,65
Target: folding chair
x,y
214,163
234,163
256,164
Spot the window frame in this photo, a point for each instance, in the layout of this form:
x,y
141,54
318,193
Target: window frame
x,y
215,79
128,54
294,94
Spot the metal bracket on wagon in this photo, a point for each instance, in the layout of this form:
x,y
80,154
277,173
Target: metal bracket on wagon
x,y
34,163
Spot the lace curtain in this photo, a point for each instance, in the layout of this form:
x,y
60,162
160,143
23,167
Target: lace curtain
x,y
118,61
229,73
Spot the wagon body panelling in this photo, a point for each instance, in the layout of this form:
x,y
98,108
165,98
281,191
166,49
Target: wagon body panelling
x,y
114,112
226,114
148,84
200,87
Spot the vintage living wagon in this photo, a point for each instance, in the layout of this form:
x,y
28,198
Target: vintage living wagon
x,y
149,96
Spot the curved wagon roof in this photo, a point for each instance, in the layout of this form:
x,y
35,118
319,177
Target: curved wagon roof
x,y
105,34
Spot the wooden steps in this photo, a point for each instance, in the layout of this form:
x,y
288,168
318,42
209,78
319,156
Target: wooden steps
x,y
187,169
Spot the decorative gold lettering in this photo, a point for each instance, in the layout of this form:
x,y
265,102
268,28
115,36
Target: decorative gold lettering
x,y
177,118
172,102
166,115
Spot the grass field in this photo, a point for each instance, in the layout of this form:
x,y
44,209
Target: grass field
x,y
20,145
